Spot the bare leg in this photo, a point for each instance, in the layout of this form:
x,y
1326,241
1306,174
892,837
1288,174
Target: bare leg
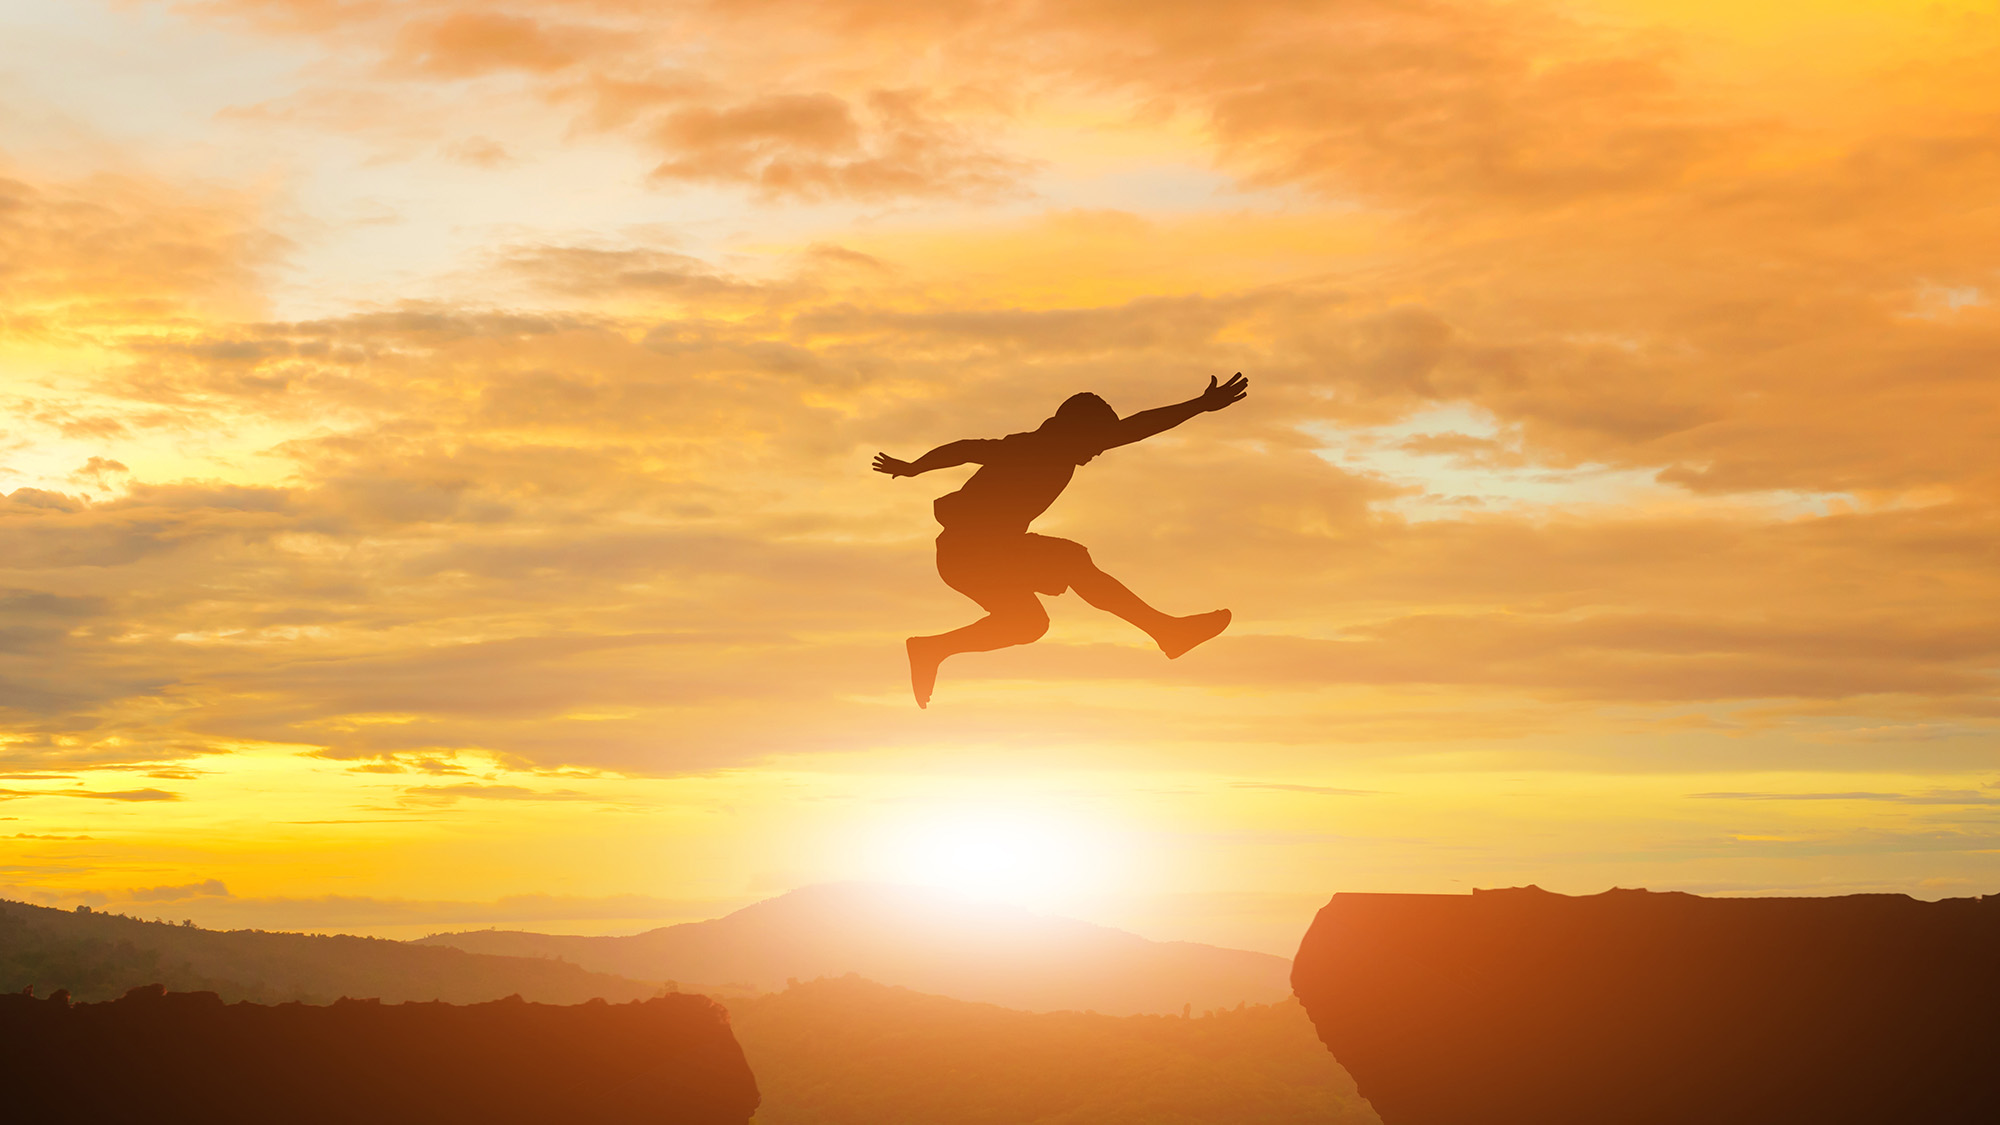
x,y
1015,621
1174,635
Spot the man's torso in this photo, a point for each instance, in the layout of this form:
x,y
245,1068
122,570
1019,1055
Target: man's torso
x,y
1020,476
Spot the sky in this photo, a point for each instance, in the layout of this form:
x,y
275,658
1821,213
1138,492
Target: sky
x,y
434,480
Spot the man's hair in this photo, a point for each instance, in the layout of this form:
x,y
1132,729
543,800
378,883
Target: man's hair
x,y
1085,409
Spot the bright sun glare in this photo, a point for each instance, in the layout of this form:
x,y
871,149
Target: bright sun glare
x,y
996,855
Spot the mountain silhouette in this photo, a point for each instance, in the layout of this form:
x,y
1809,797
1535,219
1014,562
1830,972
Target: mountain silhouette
x,y
99,956
1521,1006
921,939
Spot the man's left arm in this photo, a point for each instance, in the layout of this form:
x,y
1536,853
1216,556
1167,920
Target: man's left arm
x,y
1160,419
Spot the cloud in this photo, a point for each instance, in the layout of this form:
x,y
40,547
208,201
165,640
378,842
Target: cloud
x,y
21,605
775,119
466,44
638,513
593,513
107,252
95,795
1932,797
1320,790
479,152
816,145
585,272
449,793
207,888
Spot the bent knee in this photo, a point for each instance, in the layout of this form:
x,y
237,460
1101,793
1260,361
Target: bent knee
x,y
1026,628
1030,630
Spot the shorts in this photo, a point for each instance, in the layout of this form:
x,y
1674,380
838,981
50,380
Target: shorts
x,y
1002,567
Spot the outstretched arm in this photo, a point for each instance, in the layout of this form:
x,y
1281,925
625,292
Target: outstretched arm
x,y
943,457
1146,423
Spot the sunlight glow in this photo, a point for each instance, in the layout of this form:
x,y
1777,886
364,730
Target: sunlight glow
x,y
1002,855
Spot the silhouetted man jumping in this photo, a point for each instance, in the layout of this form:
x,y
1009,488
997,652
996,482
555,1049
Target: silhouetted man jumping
x,y
987,553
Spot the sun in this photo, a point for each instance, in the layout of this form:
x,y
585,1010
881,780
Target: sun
x,y
999,855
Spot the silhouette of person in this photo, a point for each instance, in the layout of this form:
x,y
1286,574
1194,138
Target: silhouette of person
x,y
987,553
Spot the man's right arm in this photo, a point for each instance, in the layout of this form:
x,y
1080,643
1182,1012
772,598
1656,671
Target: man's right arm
x,y
1146,423
943,457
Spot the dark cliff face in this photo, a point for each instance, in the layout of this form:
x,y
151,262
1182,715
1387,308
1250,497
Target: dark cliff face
x,y
160,1056
1635,1007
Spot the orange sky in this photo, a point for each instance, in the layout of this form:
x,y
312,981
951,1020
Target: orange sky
x,y
437,433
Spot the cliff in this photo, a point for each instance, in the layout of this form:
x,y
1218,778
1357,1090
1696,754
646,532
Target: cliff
x,y
1629,1006
160,1056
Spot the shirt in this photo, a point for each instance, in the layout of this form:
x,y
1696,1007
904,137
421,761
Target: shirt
x,y
1020,475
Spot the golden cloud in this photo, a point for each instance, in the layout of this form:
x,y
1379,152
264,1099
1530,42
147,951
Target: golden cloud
x,y
109,252
599,524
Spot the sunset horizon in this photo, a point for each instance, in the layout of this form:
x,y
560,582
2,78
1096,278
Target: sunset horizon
x,y
436,491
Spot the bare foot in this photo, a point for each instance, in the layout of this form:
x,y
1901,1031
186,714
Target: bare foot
x,y
924,661
1187,632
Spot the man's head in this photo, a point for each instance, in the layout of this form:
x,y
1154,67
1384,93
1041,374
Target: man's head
x,y
1084,420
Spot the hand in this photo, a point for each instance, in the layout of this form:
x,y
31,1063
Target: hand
x,y
887,464
1215,398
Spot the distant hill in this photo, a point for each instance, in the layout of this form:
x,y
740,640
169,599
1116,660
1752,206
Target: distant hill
x,y
851,1052
920,939
836,1051
99,956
